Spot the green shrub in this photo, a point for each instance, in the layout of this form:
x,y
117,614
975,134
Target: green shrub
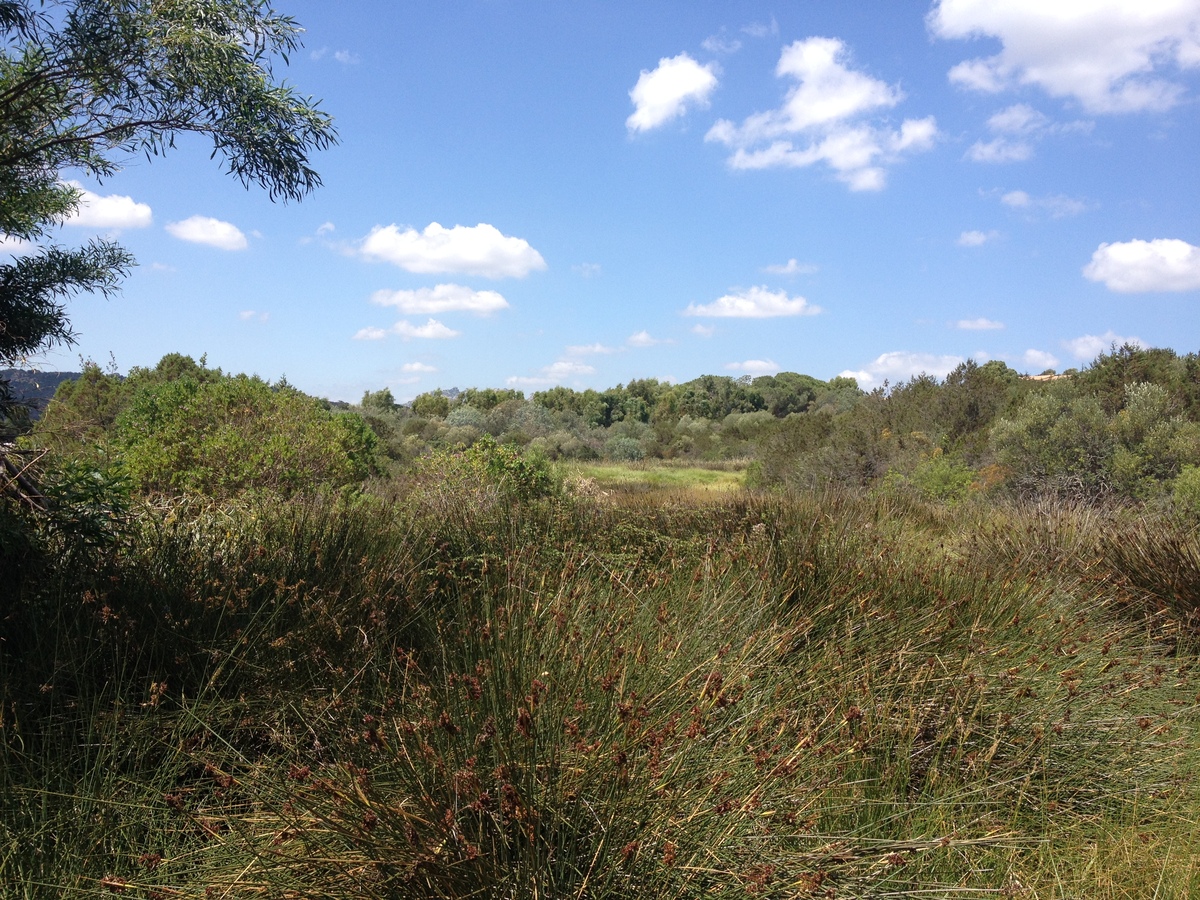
x,y
221,438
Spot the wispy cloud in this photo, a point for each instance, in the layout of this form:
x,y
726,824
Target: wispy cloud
x,y
976,238
791,267
555,373
980,324
643,339
431,330
441,299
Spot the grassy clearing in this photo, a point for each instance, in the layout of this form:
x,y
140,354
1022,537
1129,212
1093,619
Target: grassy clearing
x,y
658,478
449,695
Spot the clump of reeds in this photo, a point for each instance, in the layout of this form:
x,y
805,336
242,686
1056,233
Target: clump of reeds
x,y
802,696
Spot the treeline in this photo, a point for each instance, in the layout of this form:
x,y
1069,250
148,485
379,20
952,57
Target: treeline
x,y
1126,427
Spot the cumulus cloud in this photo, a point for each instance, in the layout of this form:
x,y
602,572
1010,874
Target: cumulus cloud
x,y
113,211
441,299
754,367
755,303
209,231
431,330
1135,267
979,324
976,238
1089,346
822,120
250,315
666,92
643,339
417,367
1039,360
587,270
900,365
704,331
555,373
478,250
326,228
1111,56
791,267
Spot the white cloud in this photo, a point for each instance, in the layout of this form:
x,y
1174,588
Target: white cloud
x,y
704,331
417,367
761,29
666,92
791,267
976,238
754,367
209,231
1109,55
478,250
1039,360
250,315
431,330
326,228
1135,267
555,373
1017,128
980,324
108,212
900,365
442,298
1089,346
589,349
821,120
755,303
719,43
1059,206
1000,150
643,339
346,58
15,246
587,270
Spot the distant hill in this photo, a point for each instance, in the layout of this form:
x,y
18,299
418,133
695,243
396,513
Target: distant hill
x,y
34,388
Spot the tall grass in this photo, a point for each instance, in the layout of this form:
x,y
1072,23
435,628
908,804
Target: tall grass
x,y
423,697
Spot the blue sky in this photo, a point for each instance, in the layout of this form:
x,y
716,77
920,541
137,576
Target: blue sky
x,y
538,193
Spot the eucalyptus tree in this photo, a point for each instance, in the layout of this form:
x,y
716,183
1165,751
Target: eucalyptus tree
x,y
87,84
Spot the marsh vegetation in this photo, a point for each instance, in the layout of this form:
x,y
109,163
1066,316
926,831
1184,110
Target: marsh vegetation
x,y
477,672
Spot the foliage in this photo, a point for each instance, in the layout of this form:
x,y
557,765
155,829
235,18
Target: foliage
x,y
86,83
220,438
775,697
